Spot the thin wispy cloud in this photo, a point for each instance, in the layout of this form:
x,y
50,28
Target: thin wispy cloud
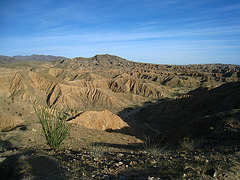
x,y
155,31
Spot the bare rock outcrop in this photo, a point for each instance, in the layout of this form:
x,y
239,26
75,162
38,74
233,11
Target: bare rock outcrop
x,y
133,86
55,71
40,83
8,122
6,76
30,86
182,82
101,120
75,96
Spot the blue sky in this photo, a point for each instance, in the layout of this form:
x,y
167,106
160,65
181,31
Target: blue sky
x,y
153,31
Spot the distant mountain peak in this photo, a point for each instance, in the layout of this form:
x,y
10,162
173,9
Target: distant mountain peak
x,y
103,59
36,57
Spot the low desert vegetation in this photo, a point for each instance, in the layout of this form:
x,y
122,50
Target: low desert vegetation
x,y
153,146
54,125
97,151
70,112
187,144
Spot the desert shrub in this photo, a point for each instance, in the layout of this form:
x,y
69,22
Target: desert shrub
x,y
187,143
70,112
54,125
153,146
97,151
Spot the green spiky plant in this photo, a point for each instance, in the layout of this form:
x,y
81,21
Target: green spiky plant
x,y
54,125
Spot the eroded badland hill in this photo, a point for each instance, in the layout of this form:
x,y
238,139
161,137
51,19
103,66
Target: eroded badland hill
x,y
117,104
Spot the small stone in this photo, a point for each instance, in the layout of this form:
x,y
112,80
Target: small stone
x,y
31,140
133,163
2,159
9,152
197,157
22,157
118,164
120,155
153,161
211,172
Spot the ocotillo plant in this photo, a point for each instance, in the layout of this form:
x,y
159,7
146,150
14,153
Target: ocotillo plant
x,y
54,125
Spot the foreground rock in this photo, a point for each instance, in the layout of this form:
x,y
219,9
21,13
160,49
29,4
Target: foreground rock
x,y
8,122
101,120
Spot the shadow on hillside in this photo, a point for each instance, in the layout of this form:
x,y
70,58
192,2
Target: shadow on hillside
x,y
132,130
30,163
136,127
203,113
